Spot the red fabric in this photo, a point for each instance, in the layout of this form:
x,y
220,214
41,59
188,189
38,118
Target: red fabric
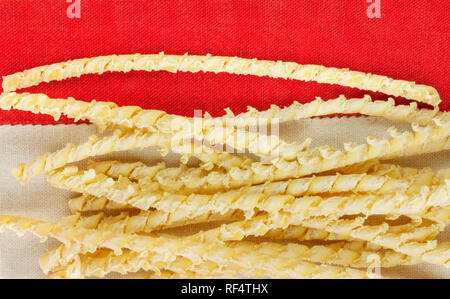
x,y
408,42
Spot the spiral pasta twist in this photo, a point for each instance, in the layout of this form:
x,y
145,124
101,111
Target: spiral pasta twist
x,y
265,256
408,239
102,262
271,197
217,64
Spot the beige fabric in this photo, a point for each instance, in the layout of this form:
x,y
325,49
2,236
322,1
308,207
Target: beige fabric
x,y
19,256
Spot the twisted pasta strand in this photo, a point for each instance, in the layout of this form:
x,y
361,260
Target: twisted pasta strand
x,y
120,140
186,180
340,105
148,221
106,114
175,128
89,203
336,183
431,138
423,140
271,197
269,259
103,262
216,64
410,239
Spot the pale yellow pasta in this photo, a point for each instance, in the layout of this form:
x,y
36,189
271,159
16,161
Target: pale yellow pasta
x,y
318,161
341,105
58,258
105,113
119,141
89,203
93,265
339,253
301,233
355,253
293,212
165,274
161,174
216,64
284,196
409,239
157,220
175,128
439,256
424,140
148,221
251,259
103,262
172,179
355,182
216,262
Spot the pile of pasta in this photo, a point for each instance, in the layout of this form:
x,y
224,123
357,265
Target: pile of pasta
x,y
289,211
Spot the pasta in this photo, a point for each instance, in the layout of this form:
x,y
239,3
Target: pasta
x,y
175,128
322,156
148,221
270,255
88,203
219,263
322,184
341,105
317,184
288,211
103,262
407,239
216,64
270,198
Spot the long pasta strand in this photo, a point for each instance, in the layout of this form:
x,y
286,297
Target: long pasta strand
x,y
423,140
175,128
89,203
148,221
103,262
269,259
428,139
340,105
187,180
59,257
408,239
272,197
216,64
317,184
106,114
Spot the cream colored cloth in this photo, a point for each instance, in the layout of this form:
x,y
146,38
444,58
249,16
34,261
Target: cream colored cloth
x,y
19,256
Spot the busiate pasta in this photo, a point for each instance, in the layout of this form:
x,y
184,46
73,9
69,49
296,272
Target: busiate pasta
x,y
296,211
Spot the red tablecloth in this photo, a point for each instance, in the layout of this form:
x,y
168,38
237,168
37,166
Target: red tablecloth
x,y
408,42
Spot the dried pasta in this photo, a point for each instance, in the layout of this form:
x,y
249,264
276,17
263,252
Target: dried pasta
x,y
148,221
89,203
102,262
287,210
271,198
217,64
410,239
176,128
270,255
